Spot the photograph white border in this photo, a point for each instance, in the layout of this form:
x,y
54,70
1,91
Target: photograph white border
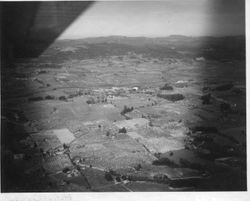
x,y
154,196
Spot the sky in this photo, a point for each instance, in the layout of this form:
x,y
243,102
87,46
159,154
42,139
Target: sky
x,y
159,19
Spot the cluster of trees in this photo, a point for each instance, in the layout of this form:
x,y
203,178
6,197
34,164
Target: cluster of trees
x,y
91,100
167,87
122,130
48,97
63,98
126,110
171,97
76,94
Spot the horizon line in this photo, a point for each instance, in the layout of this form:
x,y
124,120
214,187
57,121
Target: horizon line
x,y
154,37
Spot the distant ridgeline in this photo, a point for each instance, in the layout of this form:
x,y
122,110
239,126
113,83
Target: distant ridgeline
x,y
210,48
175,47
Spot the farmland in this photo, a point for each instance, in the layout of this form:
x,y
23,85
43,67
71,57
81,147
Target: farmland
x,y
127,114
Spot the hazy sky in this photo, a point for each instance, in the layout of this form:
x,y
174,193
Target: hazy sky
x,y
162,18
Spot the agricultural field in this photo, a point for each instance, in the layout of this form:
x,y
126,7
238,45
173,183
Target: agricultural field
x,y
108,114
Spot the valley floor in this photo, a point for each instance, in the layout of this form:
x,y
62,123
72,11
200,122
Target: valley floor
x,y
124,123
